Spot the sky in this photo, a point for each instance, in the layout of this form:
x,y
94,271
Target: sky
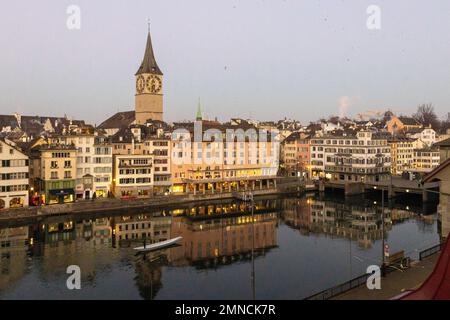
x,y
266,60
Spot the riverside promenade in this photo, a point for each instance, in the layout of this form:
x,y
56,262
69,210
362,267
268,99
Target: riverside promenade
x,y
395,283
104,205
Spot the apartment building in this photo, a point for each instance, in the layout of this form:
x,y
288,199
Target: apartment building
x,y
14,174
93,164
208,156
150,143
133,176
361,157
159,148
295,155
53,171
427,136
425,160
402,154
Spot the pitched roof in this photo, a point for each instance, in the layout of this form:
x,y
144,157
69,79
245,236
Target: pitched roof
x,y
443,143
118,120
409,121
433,173
149,64
34,125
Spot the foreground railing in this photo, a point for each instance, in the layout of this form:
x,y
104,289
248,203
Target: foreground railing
x,y
430,251
340,289
362,280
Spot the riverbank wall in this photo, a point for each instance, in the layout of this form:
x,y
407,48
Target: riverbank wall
x,y
102,205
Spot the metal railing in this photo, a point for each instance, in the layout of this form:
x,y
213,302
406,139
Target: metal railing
x,y
361,280
340,289
430,251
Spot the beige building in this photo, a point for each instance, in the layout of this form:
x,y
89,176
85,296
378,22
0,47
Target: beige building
x,y
14,174
214,162
149,90
53,171
133,176
402,154
425,160
93,164
150,143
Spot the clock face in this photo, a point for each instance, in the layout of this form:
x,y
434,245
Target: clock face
x,y
140,84
154,84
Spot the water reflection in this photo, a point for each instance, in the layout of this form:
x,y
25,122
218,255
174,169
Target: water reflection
x,y
216,236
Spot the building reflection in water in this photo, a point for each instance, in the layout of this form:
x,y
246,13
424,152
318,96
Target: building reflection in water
x,y
355,222
214,235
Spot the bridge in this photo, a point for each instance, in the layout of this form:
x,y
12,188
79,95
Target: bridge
x,y
393,186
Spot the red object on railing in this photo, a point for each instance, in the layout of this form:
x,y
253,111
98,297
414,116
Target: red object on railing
x,y
437,286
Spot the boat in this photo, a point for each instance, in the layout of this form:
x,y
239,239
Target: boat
x,y
158,245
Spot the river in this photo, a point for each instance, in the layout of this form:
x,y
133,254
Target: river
x,y
301,245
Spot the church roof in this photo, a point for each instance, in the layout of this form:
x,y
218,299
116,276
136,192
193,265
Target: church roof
x,y
149,64
118,120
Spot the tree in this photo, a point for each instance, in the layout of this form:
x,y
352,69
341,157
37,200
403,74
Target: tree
x,y
426,116
445,124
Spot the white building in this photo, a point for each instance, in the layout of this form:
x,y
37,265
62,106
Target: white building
x,y
364,157
426,136
14,176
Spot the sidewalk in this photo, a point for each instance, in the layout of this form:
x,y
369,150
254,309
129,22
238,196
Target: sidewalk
x,y
395,282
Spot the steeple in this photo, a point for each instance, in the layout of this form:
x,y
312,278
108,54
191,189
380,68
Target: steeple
x,y
199,116
149,64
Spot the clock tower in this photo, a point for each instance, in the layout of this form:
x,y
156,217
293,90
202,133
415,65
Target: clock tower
x,y
149,81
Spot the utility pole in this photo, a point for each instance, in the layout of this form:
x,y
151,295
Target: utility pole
x,y
252,203
383,270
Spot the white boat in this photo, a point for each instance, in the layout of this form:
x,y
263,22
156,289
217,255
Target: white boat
x,y
158,245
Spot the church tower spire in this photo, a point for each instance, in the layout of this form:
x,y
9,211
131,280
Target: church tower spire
x,y
149,81
199,116
149,64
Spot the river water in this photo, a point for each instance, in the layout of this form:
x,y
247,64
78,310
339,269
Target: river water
x,y
301,245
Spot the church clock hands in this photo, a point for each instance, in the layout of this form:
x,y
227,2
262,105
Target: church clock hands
x,y
153,84
140,84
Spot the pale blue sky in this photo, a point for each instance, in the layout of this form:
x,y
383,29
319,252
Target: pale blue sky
x,y
268,59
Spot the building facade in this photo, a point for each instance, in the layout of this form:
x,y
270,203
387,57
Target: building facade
x,y
364,157
212,163
133,176
402,154
93,165
295,155
425,160
54,172
14,176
